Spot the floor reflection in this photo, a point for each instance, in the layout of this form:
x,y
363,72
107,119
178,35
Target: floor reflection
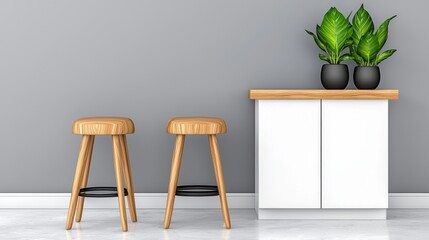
x,y
189,224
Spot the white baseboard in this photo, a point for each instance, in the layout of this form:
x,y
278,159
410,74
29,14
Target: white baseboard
x,y
158,200
333,214
408,200
143,200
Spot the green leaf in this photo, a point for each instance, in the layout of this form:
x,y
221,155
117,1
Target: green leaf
x,y
362,24
358,59
382,32
368,47
346,57
384,55
322,39
349,42
324,58
317,40
334,31
348,17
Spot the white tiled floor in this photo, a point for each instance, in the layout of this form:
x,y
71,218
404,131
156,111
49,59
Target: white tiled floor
x,y
404,224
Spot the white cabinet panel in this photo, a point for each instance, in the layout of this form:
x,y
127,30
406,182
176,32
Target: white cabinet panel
x,y
288,153
354,153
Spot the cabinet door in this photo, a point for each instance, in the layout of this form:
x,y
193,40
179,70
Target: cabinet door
x,y
288,153
354,153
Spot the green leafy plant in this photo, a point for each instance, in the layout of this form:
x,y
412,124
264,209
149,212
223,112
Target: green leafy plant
x,y
333,36
367,44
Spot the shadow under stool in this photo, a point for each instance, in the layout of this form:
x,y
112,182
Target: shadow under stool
x,y
117,127
182,127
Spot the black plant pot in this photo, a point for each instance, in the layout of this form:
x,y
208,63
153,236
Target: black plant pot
x,y
366,77
334,76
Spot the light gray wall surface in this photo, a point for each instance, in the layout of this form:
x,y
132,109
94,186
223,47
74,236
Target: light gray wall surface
x,y
153,60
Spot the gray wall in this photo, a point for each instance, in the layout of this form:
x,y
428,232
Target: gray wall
x,y
152,60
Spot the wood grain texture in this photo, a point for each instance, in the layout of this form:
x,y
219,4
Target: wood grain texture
x,y
89,127
103,126
196,125
84,181
128,177
259,94
174,177
217,164
80,168
119,181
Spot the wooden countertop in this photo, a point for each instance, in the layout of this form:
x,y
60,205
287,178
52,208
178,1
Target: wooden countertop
x,y
260,94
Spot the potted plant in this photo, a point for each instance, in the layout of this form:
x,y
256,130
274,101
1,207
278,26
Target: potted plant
x,y
366,48
332,37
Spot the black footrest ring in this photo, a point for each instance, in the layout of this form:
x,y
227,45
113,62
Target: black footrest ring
x,y
197,190
108,192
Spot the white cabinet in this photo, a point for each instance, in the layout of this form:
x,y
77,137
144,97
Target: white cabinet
x,y
354,153
289,130
320,156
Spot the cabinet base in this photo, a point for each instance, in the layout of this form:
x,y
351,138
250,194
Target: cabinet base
x,y
379,213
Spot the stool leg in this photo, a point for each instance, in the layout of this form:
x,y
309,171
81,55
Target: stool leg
x,y
81,162
219,176
174,177
81,200
214,164
119,181
128,177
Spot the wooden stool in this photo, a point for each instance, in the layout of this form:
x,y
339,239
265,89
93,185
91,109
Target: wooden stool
x,y
117,127
196,126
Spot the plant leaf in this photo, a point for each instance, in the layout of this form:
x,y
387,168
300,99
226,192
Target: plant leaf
x,y
346,57
358,59
382,32
317,40
324,58
362,24
334,31
384,55
348,17
330,52
368,47
349,42
323,40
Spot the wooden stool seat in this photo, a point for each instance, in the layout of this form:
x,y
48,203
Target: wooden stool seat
x,y
103,126
196,125
117,127
183,126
